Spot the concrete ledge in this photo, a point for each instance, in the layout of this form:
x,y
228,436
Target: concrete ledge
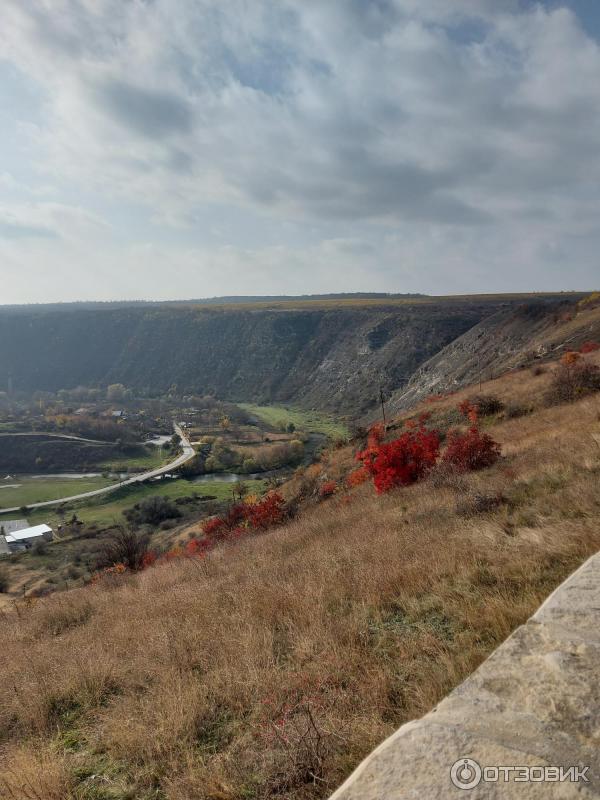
x,y
534,702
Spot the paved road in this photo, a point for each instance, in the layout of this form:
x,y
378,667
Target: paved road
x,y
188,453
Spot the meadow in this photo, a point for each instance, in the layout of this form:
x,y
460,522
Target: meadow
x,y
108,509
279,417
22,490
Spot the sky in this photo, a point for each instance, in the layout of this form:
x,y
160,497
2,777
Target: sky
x,y
171,149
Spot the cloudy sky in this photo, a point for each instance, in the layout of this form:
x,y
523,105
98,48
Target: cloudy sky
x,y
192,148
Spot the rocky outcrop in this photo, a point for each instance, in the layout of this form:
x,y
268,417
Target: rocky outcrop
x,y
535,702
510,338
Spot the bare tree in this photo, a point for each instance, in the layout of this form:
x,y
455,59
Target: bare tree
x,y
126,547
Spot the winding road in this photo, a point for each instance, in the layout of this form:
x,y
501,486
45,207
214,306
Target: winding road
x,y
187,454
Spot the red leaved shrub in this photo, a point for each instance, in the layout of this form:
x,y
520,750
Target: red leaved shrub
x,y
470,451
243,516
266,512
149,559
402,461
589,347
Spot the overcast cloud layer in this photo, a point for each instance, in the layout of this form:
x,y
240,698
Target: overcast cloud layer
x,y
190,148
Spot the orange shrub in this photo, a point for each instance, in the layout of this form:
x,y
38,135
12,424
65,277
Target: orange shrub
x,y
328,489
356,477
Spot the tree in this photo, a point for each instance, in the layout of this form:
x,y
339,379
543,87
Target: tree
x,y
152,511
240,489
124,547
115,392
225,422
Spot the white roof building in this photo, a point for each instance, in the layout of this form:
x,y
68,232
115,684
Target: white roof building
x,y
28,533
23,539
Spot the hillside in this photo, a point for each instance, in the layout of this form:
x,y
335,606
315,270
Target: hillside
x,y
331,355
511,338
271,666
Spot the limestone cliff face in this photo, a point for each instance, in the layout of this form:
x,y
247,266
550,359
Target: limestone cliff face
x,y
507,339
326,357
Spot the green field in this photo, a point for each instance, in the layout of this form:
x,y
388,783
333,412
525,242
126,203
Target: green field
x,y
38,490
108,509
137,463
309,421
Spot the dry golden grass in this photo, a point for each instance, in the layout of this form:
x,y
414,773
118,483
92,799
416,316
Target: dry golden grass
x,y
273,666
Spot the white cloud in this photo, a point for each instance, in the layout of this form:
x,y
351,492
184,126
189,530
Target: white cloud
x,y
445,140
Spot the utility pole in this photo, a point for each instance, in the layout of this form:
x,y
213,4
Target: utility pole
x,y
382,401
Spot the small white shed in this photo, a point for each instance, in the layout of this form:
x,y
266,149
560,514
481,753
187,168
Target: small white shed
x,y
24,539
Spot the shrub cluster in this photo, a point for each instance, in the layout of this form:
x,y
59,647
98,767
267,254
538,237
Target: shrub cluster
x,y
470,451
402,461
152,511
485,405
127,551
573,378
414,454
243,517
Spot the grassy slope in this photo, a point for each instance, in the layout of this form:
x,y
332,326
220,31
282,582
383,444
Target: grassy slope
x,y
137,463
273,667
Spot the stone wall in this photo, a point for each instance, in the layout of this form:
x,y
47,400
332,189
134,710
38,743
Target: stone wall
x,y
535,702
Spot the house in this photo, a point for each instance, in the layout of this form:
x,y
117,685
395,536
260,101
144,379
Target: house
x,y
25,538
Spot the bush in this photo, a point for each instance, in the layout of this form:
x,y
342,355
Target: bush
x,y
152,511
126,548
402,461
487,404
242,517
4,582
470,451
40,548
589,347
327,489
573,379
357,477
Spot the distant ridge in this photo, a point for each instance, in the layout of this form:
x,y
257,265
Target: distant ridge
x,y
224,300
